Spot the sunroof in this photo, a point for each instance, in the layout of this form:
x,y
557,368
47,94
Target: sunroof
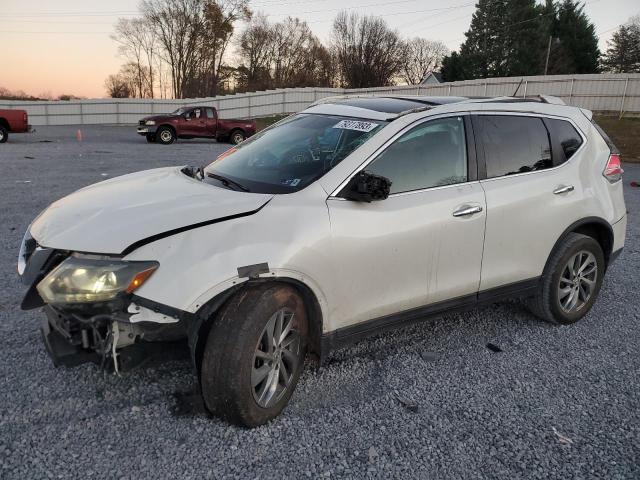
x,y
382,104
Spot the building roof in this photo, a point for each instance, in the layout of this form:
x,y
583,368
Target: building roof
x,y
436,77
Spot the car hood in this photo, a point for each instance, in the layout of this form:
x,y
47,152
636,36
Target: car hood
x,y
111,216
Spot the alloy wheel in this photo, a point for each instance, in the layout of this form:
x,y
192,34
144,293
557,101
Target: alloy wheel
x,y
577,281
276,359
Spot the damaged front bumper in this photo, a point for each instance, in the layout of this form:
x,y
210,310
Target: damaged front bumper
x,y
106,339
120,333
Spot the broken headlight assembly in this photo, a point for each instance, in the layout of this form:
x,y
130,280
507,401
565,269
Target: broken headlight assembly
x,y
80,279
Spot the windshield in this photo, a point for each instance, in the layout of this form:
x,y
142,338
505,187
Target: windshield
x,y
179,111
291,154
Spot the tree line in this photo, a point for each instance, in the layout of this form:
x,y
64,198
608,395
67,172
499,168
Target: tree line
x,y
202,48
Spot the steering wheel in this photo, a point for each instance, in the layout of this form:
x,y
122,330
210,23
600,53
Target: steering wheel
x,y
297,156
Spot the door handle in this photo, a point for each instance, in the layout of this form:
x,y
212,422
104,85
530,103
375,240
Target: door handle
x,y
563,189
467,210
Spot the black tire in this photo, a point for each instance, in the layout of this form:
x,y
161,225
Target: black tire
x,y
547,303
229,358
236,137
4,134
165,135
151,137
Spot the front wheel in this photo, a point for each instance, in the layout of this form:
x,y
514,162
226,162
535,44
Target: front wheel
x,y
4,134
237,137
165,135
571,281
254,355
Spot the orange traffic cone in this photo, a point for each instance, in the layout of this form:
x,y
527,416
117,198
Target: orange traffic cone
x,y
79,135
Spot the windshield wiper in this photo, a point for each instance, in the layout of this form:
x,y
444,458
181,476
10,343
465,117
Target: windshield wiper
x,y
227,182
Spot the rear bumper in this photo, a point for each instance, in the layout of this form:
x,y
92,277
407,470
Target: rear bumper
x,y
30,129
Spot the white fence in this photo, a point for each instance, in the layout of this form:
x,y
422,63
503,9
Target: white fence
x,y
604,92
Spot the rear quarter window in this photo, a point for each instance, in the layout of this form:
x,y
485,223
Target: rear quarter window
x,y
565,139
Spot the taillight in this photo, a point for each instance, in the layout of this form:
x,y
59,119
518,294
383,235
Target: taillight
x,y
613,171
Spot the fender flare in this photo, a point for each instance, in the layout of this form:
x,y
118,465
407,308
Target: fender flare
x,y
199,324
606,243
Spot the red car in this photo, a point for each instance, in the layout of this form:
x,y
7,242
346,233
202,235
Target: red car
x,y
14,121
194,122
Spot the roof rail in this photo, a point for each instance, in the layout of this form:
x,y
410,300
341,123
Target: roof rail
x,y
537,99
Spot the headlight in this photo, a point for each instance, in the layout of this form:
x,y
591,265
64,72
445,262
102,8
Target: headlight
x,y
81,280
150,122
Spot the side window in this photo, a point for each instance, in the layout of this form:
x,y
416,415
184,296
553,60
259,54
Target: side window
x,y
432,154
210,114
565,137
514,144
196,113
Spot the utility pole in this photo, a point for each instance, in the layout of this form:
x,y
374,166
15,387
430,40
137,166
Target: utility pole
x,y
546,63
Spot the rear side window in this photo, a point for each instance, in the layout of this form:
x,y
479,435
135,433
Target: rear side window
x,y
565,138
209,112
514,144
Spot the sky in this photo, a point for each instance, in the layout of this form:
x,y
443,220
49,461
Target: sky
x,y
54,47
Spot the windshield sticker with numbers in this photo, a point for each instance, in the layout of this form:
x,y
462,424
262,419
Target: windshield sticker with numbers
x,y
356,125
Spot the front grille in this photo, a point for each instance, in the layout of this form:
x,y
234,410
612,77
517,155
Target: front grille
x,y
141,122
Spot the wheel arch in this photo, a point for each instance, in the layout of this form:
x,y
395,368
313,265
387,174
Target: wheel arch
x,y
4,123
595,227
205,317
172,127
237,129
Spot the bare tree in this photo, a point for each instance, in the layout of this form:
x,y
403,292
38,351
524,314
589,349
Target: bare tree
x,y
219,17
131,38
421,57
368,53
255,51
178,27
283,54
117,87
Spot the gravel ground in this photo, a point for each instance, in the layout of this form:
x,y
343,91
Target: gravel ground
x,y
430,401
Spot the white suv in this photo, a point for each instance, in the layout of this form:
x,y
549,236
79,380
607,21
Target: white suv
x,y
353,216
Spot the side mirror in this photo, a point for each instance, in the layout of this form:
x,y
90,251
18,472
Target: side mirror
x,y
366,187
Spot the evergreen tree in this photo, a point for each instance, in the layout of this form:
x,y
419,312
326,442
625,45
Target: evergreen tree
x,y
453,68
524,34
511,37
504,39
576,38
623,50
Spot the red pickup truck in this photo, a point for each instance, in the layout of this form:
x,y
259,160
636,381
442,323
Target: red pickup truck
x,y
194,122
14,121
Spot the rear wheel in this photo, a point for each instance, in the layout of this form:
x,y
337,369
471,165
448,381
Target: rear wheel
x,y
571,281
254,355
165,135
237,136
4,134
151,137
